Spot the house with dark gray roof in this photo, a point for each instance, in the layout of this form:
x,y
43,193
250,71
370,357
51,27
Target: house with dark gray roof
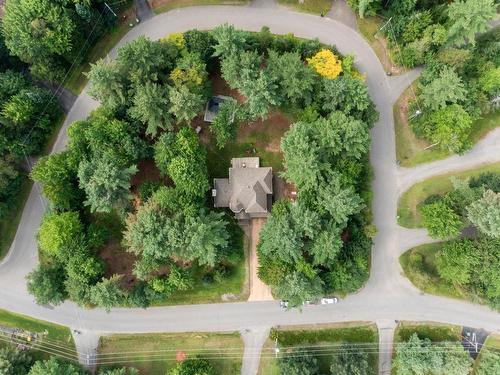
x,y
248,191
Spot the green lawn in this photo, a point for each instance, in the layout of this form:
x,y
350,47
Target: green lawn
x,y
235,284
58,339
408,215
320,334
436,332
411,151
161,6
224,350
419,267
309,6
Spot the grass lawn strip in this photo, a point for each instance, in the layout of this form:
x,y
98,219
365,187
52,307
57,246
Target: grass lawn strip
x,y
419,267
162,6
159,351
317,7
58,340
320,334
408,215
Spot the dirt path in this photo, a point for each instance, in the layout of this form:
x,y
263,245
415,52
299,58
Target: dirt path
x,y
258,290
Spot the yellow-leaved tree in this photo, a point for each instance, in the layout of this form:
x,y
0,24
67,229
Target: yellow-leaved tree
x,y
326,64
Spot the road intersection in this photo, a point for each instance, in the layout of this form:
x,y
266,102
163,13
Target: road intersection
x,y
387,296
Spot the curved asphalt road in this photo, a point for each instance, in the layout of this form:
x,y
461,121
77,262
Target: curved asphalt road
x,y
387,296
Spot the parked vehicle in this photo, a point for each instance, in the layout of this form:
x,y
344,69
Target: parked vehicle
x,y
284,304
329,300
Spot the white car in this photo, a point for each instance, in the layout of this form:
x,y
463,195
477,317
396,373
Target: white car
x,y
284,304
329,300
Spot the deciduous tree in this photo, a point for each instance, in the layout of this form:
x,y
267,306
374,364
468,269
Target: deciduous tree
x,y
467,18
46,284
440,220
108,293
350,360
293,364
485,213
58,229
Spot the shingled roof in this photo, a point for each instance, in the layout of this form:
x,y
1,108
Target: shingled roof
x,y
247,189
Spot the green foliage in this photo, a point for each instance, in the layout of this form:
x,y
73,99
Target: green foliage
x,y
107,83
183,159
55,366
108,293
120,371
294,364
485,213
295,80
56,230
440,220
449,127
489,363
143,60
195,366
467,18
456,260
228,40
345,94
350,360
416,356
106,183
490,81
11,82
159,231
14,362
297,288
46,284
225,124
310,148
43,33
151,107
57,173
185,105
446,89
88,139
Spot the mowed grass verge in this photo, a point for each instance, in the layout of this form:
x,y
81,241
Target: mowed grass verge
x,y
419,267
155,354
162,6
321,334
436,332
408,213
58,339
